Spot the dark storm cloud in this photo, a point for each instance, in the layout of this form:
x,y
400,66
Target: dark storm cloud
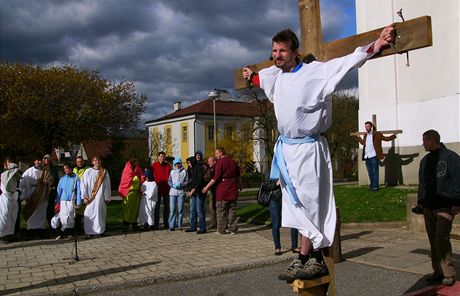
x,y
173,50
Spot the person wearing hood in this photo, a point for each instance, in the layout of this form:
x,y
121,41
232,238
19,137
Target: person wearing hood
x,y
200,160
197,198
177,181
130,191
8,199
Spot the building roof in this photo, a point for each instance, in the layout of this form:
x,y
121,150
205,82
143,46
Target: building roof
x,y
225,108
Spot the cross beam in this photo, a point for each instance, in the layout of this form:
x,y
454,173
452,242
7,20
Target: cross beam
x,y
374,121
410,35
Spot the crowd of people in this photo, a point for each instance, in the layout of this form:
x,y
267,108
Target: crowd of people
x,y
76,203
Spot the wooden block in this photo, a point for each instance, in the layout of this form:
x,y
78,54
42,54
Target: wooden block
x,y
305,284
314,291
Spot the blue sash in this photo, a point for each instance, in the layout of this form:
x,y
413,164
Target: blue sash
x,y
279,164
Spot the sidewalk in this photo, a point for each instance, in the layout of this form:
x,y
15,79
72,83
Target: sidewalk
x,y
119,261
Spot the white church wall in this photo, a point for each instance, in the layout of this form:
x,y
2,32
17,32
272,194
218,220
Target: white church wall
x,y
425,95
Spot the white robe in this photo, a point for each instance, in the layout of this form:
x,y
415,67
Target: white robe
x,y
96,212
303,107
8,211
66,216
28,185
148,200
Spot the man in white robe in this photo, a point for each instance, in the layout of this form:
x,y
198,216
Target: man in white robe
x,y
96,192
9,200
35,189
301,94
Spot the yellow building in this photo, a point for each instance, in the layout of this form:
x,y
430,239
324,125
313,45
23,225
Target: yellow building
x,y
191,129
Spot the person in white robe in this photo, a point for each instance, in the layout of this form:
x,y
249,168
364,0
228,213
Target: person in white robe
x,y
96,192
149,199
301,94
35,188
9,199
68,196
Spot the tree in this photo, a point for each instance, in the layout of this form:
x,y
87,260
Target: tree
x,y
159,142
344,119
239,146
45,107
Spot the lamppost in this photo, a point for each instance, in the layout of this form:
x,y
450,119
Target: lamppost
x,y
214,94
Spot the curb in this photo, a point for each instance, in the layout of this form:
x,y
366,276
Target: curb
x,y
134,283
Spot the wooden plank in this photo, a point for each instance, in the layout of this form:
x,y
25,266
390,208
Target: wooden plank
x,y
305,284
310,26
329,259
410,35
383,132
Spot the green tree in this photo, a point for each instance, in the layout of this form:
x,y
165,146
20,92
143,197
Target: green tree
x,y
45,107
345,107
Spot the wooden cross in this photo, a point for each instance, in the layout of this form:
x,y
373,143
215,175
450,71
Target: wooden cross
x,y
374,122
411,34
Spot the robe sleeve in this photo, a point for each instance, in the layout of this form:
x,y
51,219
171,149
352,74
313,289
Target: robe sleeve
x,y
78,191
84,185
107,188
60,190
154,196
337,68
267,79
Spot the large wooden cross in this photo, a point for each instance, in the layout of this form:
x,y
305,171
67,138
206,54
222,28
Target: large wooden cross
x,y
374,122
411,34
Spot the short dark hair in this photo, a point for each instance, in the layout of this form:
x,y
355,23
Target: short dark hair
x,y
10,158
79,156
288,36
161,152
221,150
68,164
370,122
432,135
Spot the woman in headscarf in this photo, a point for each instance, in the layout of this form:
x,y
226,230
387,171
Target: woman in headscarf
x,y
130,191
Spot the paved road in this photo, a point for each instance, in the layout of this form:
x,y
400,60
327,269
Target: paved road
x,y
352,279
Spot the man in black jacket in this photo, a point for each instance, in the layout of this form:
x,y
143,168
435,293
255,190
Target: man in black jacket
x,y
439,201
197,198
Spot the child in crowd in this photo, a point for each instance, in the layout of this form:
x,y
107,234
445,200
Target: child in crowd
x,y
149,199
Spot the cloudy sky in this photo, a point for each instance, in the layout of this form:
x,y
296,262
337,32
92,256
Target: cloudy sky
x,y
172,49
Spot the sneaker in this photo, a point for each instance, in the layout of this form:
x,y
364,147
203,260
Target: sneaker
x,y
58,237
291,271
200,232
217,232
450,281
190,230
233,232
312,269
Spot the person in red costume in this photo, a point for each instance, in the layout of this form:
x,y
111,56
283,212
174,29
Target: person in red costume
x,y
161,170
130,191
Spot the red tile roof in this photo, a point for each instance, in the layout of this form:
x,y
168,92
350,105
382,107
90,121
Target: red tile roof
x,y
228,108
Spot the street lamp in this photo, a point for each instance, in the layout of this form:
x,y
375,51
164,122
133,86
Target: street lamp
x,y
214,94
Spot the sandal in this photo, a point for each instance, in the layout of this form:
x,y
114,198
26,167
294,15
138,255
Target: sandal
x,y
278,252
